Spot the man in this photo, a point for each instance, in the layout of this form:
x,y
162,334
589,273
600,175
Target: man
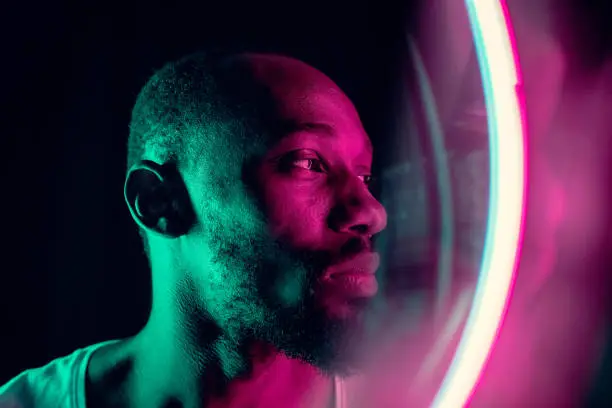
x,y
248,178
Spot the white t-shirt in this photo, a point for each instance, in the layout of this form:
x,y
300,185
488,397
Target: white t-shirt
x,y
59,384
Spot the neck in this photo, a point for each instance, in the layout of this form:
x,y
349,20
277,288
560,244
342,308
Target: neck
x,y
180,360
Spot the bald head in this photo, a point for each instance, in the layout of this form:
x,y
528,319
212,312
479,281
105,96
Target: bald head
x,y
214,100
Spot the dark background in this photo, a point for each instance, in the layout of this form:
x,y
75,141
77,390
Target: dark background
x,y
73,272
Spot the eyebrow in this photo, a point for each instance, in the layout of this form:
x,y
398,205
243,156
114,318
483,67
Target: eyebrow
x,y
320,128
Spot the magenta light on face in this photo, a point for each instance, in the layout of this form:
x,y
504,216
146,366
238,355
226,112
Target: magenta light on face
x,y
497,57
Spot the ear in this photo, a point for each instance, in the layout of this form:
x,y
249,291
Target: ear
x,y
158,200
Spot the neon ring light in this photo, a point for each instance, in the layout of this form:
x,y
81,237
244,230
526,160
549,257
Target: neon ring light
x,y
502,83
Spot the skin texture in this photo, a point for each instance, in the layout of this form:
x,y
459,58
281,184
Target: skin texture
x,y
239,316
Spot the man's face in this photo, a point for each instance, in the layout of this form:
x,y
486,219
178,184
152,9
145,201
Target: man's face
x,y
300,211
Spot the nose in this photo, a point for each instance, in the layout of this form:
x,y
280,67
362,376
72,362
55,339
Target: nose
x,y
357,211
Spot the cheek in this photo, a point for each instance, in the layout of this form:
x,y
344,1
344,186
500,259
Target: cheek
x,y
296,214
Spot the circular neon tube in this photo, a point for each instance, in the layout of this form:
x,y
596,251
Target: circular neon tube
x,y
501,80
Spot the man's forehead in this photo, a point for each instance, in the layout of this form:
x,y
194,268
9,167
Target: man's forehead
x,y
328,131
306,101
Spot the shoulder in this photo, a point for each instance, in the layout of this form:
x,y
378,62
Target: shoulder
x,y
52,385
17,393
44,386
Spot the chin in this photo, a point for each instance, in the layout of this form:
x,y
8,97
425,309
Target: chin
x,y
329,332
332,345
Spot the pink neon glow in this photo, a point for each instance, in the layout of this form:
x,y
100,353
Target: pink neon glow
x,y
520,98
507,210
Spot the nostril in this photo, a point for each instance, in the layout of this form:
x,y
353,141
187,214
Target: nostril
x,y
362,228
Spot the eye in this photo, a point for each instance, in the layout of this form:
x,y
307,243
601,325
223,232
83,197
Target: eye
x,y
308,164
303,160
306,160
368,179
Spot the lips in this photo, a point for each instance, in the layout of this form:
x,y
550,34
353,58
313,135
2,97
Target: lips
x,y
365,263
354,277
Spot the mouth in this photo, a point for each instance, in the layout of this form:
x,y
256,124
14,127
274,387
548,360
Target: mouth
x,y
354,277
